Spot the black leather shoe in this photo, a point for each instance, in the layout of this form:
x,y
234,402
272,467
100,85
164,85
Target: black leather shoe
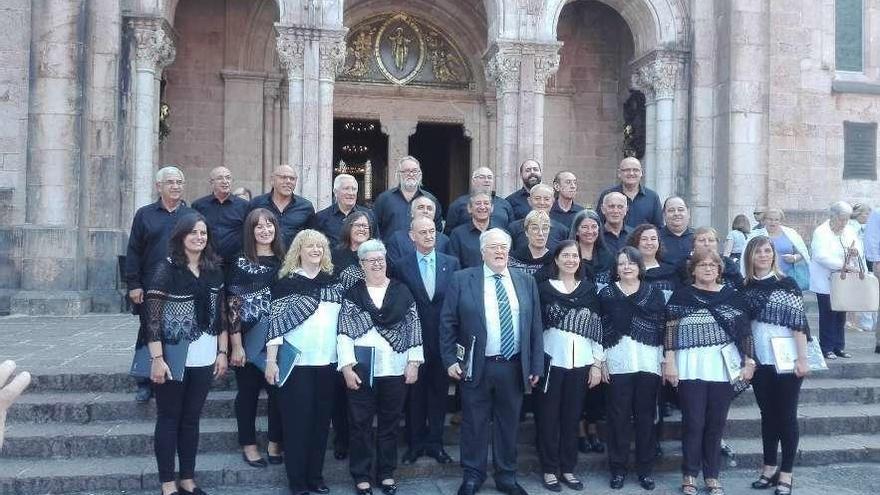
x,y
877,349
595,444
617,481
320,488
410,457
389,489
583,446
440,456
340,454
468,488
363,491
553,485
513,489
275,459
842,354
647,482
144,392
571,482
259,463
196,491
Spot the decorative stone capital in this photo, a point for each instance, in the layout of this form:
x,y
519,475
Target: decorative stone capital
x,y
505,64
291,45
154,43
331,51
546,64
657,74
503,68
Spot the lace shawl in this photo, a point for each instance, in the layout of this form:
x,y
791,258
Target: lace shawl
x,y
347,268
641,315
397,321
698,318
777,302
248,291
522,259
180,305
577,313
295,298
664,277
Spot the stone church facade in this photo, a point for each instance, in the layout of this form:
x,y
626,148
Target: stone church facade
x,y
732,104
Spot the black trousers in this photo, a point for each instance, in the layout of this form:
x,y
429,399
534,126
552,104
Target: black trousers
x,y
559,410
704,407
305,402
428,398
831,325
594,403
250,380
339,417
777,396
632,404
384,401
178,410
496,400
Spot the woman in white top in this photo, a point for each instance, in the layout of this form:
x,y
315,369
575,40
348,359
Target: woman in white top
x,y
304,313
378,318
633,327
777,309
572,341
702,320
736,238
831,242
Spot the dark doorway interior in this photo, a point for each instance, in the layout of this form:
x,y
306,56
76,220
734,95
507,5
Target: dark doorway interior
x,y
360,149
445,154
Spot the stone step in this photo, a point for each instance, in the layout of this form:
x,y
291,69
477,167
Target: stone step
x,y
85,407
129,437
129,473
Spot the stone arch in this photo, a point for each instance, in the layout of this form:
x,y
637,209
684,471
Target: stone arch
x,y
654,23
168,8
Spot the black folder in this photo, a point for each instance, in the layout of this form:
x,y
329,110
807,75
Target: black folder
x,y
465,358
254,343
365,367
288,355
544,382
173,354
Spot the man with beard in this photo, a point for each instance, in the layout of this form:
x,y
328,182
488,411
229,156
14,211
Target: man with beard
x,y
540,198
676,237
482,180
293,212
329,220
392,207
530,173
643,204
565,184
615,231
225,214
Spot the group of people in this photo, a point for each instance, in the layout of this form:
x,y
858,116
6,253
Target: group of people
x,y
376,310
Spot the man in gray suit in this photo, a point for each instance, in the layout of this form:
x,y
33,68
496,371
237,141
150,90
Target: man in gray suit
x,y
495,315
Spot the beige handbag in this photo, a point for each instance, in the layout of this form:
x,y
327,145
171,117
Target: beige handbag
x,y
854,291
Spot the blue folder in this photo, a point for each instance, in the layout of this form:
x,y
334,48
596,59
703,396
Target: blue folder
x,y
173,354
254,343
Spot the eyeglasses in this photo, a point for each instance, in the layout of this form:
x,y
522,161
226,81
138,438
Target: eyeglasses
x,y
484,177
360,226
174,182
373,261
223,178
707,265
414,171
539,228
497,247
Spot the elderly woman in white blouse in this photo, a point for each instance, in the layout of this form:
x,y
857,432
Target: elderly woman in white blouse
x,y
831,243
378,322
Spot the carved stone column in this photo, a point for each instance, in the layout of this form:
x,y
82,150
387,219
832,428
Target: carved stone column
x,y
398,132
660,73
313,58
649,161
154,50
271,129
520,71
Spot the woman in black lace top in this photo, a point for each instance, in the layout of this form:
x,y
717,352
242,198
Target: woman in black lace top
x,y
184,304
248,285
664,276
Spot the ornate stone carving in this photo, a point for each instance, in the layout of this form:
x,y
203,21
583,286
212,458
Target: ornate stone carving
x,y
332,56
657,75
503,69
154,43
291,45
546,64
665,77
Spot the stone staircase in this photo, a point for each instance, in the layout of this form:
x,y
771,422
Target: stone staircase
x,y
83,432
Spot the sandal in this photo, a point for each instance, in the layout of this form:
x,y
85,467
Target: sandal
x,y
689,486
783,488
713,486
764,482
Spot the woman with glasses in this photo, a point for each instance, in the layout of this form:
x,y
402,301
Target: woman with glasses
x,y
533,256
378,316
708,324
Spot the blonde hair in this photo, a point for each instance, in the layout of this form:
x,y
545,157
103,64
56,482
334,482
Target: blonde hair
x,y
292,260
706,230
535,217
776,211
749,253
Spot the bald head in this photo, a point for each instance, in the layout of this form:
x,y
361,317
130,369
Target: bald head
x,y
541,197
630,172
483,180
614,209
221,182
284,180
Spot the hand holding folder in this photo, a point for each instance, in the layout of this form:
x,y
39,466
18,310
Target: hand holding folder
x,y
173,354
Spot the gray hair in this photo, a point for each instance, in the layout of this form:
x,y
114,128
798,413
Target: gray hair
x,y
484,237
541,186
474,195
168,170
408,158
371,246
337,182
613,194
413,204
840,209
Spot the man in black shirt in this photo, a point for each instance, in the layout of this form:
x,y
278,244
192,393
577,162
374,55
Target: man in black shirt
x,y
540,198
676,238
643,204
225,214
615,231
565,184
530,173
148,245
293,212
329,220
482,180
465,239
392,207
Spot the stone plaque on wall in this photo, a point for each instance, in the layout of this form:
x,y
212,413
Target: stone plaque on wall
x,y
860,150
848,35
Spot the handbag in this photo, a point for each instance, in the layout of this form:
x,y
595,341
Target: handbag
x,y
800,273
854,291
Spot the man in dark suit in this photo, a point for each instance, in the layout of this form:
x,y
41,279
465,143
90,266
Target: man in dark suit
x,y
400,243
427,273
495,314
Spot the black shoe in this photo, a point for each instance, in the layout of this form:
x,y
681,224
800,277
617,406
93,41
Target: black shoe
x,y
830,355
390,489
617,481
513,489
196,491
363,491
764,482
440,455
583,446
573,483
553,486
340,454
144,392
842,354
468,488
411,456
259,463
595,444
647,482
275,459
320,488
877,349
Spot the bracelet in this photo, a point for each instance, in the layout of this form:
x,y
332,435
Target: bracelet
x,y
222,351
155,357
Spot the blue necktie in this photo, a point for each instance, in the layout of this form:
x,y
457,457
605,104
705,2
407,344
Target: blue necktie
x,y
505,317
427,276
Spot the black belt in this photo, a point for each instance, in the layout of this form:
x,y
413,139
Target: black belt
x,y
498,358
